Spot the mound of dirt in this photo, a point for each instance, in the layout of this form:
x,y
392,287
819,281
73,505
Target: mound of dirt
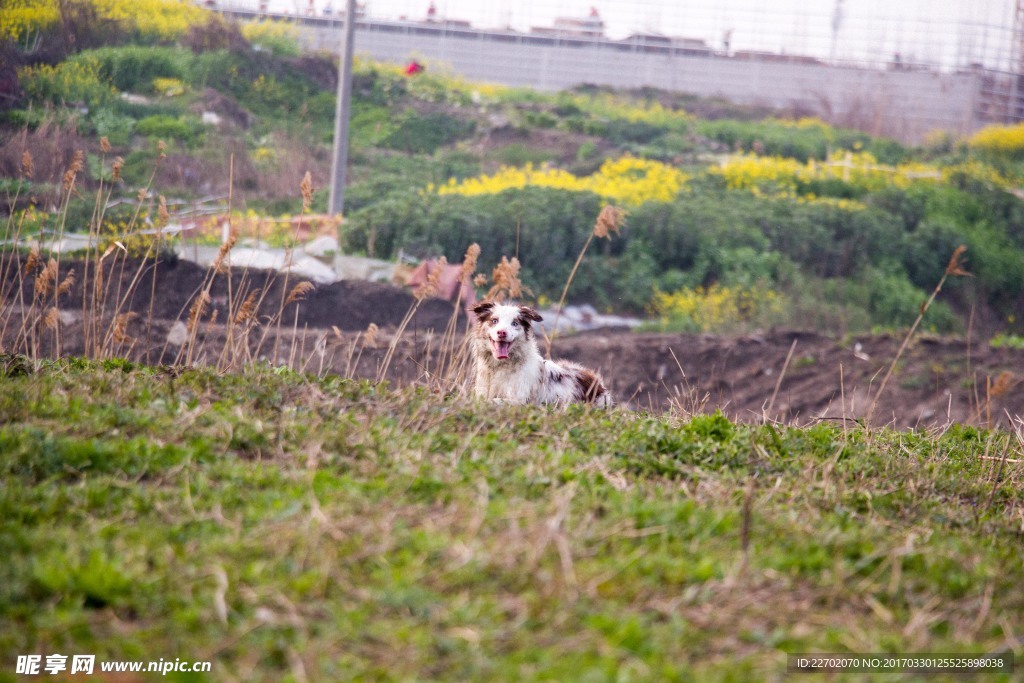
x,y
937,380
349,305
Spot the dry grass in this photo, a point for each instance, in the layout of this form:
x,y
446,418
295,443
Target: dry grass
x,y
608,221
953,268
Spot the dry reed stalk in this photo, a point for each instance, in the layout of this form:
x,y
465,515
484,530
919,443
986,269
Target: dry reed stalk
x,y
999,472
778,382
51,318
122,294
299,292
70,176
43,284
609,220
506,280
370,336
362,341
120,329
306,189
237,353
449,355
46,279
247,311
697,403
163,218
319,351
195,314
9,226
33,262
10,263
198,310
428,288
954,268
67,283
27,165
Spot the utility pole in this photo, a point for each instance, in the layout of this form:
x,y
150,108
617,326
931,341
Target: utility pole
x,y
336,203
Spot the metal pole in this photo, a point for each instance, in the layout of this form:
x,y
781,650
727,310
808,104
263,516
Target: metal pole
x,y
336,203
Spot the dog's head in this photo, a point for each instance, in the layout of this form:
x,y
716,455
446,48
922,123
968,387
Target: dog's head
x,y
505,325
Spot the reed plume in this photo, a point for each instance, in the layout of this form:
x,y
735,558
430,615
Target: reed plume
x,y
299,292
247,311
51,319
430,286
306,188
27,167
198,309
67,283
505,277
609,220
46,280
120,331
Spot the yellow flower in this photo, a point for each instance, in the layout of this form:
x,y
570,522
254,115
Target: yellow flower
x,y
999,139
626,181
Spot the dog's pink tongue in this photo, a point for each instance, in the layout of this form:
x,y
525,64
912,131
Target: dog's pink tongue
x,y
501,349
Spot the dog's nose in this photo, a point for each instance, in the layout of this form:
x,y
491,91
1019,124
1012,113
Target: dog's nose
x,y
502,334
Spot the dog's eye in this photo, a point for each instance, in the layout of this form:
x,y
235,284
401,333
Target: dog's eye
x,y
515,323
494,321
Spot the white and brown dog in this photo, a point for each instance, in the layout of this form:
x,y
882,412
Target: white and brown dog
x,y
510,368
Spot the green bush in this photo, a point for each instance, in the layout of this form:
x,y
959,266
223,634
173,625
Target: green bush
x,y
517,154
106,122
893,302
186,129
70,82
802,141
132,68
423,133
539,119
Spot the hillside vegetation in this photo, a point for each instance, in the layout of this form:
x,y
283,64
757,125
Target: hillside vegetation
x,y
785,221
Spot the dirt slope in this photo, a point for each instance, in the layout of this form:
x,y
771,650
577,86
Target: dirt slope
x,y
937,379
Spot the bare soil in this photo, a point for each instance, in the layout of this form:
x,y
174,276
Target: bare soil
x,y
787,375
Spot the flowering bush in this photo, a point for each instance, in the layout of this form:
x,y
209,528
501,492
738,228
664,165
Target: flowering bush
x,y
70,81
715,308
608,106
1005,140
168,87
278,37
627,181
21,19
162,20
846,174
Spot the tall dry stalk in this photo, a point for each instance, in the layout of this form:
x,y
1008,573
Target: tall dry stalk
x,y
452,358
955,268
106,284
608,221
427,289
306,189
10,264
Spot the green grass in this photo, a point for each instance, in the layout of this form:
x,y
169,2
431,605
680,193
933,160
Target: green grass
x,y
287,527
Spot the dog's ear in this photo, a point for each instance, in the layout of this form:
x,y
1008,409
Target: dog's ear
x,y
483,309
528,313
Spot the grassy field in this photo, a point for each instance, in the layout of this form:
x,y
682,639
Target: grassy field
x,y
285,527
